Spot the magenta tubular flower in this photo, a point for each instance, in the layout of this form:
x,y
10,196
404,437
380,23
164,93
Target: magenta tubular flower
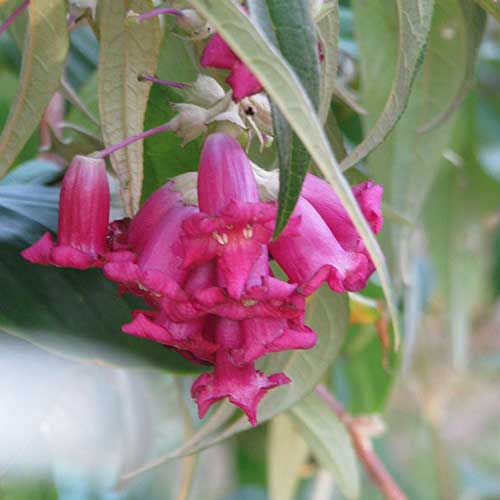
x,y
83,219
326,202
264,296
218,54
191,337
233,224
311,255
242,384
154,209
261,336
159,269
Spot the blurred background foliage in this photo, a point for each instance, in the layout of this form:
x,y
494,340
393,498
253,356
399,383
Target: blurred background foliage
x,y
439,396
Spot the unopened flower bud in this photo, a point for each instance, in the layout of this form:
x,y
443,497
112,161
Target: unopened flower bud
x,y
190,121
191,22
205,91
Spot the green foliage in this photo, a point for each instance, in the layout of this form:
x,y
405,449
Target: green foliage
x,y
425,136
44,54
127,50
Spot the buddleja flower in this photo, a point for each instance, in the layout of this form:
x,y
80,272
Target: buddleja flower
x,y
83,219
200,259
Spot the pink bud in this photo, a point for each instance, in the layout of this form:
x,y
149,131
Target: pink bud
x,y
83,219
217,54
311,254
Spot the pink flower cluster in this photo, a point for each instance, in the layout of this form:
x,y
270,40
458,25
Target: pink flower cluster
x,y
204,270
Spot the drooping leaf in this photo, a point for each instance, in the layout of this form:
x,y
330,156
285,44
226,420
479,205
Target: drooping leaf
x,y
76,314
328,315
407,162
329,442
284,88
414,21
128,49
328,31
289,26
475,20
283,466
44,54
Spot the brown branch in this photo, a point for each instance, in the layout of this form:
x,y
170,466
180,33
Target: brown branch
x,y
363,447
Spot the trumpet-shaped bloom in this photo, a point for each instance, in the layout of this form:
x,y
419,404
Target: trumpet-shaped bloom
x,y
312,255
159,270
233,224
185,336
83,219
326,202
243,385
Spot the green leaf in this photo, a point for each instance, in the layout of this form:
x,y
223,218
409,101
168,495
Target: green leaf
x,y
491,7
289,26
75,314
407,162
328,315
475,20
458,249
44,54
164,157
283,466
127,50
328,32
329,441
414,19
284,88
359,376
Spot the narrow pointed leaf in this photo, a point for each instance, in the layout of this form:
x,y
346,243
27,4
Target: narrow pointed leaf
x,y
475,19
44,54
283,467
414,23
127,50
329,441
289,26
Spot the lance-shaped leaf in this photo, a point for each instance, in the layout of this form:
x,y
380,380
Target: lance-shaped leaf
x,y
283,86
414,20
328,32
475,19
127,50
44,54
329,442
289,26
283,467
408,162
